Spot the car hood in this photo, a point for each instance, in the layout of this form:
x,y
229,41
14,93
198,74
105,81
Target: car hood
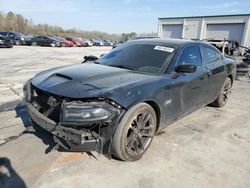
x,y
89,80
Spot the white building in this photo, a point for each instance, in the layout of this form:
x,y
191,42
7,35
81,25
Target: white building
x,y
230,27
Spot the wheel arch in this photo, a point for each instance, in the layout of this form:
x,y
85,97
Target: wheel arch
x,y
231,78
157,110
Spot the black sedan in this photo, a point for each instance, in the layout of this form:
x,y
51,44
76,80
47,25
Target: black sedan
x,y
45,41
116,104
5,42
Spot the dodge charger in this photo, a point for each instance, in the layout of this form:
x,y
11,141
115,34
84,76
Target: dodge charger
x,y
116,104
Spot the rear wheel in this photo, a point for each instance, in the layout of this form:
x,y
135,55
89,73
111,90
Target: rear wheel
x,y
135,132
18,42
224,94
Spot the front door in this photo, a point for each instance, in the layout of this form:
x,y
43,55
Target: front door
x,y
190,89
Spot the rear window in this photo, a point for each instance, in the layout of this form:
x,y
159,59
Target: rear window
x,y
3,33
139,57
210,55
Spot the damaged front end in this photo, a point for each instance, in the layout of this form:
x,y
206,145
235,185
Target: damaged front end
x,y
77,125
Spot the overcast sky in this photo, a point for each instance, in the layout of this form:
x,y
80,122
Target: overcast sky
x,y
117,16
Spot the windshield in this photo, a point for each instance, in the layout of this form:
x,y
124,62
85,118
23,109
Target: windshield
x,y
149,58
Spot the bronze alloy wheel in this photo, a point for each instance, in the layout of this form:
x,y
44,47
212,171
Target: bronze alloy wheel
x,y
140,133
135,132
226,91
224,94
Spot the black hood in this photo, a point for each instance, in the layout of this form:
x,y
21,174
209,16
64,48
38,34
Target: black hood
x,y
88,80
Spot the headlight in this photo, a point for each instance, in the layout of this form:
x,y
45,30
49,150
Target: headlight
x,y
1,41
87,112
22,38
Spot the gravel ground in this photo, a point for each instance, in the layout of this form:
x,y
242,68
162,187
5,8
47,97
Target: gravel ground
x,y
208,148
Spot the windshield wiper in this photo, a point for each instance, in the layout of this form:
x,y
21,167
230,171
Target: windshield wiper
x,y
121,66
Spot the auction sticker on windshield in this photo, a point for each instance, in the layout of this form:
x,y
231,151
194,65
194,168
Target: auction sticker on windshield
x,y
165,49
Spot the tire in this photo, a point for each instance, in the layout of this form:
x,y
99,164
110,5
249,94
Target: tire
x,y
134,133
18,42
33,44
224,94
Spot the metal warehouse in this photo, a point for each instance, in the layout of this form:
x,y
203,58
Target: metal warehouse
x,y
230,27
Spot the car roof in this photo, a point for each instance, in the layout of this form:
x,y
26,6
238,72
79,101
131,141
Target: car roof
x,y
176,43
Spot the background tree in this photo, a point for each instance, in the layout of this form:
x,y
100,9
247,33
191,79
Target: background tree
x,y
18,23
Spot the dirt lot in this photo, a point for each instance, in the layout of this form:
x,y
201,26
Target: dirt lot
x,y
208,148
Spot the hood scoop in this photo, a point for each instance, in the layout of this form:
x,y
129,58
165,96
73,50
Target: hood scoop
x,y
55,79
62,76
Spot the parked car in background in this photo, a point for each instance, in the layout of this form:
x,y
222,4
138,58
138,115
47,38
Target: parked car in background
x,y
64,42
76,42
116,104
83,41
87,42
108,43
16,38
97,42
45,41
5,42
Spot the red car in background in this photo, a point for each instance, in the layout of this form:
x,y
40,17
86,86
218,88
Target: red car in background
x,y
76,42
64,42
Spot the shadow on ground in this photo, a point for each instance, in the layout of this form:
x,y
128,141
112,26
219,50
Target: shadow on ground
x,y
8,176
32,128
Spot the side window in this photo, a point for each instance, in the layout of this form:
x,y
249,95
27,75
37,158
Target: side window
x,y
3,33
190,55
210,55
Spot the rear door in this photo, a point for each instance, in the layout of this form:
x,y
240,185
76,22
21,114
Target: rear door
x,y
216,71
43,41
190,88
47,41
37,40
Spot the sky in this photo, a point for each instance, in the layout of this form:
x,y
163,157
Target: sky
x,y
118,16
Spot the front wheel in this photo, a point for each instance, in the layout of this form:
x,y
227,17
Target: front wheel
x,y
33,44
224,94
135,132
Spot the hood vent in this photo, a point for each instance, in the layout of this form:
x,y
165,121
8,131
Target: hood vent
x,y
62,76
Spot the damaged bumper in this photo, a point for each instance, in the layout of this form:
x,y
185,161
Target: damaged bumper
x,y
92,136
69,138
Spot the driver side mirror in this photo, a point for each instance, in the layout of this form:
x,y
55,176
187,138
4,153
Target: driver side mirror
x,y
89,58
185,68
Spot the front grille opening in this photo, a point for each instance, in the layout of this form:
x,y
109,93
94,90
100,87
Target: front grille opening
x,y
42,98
